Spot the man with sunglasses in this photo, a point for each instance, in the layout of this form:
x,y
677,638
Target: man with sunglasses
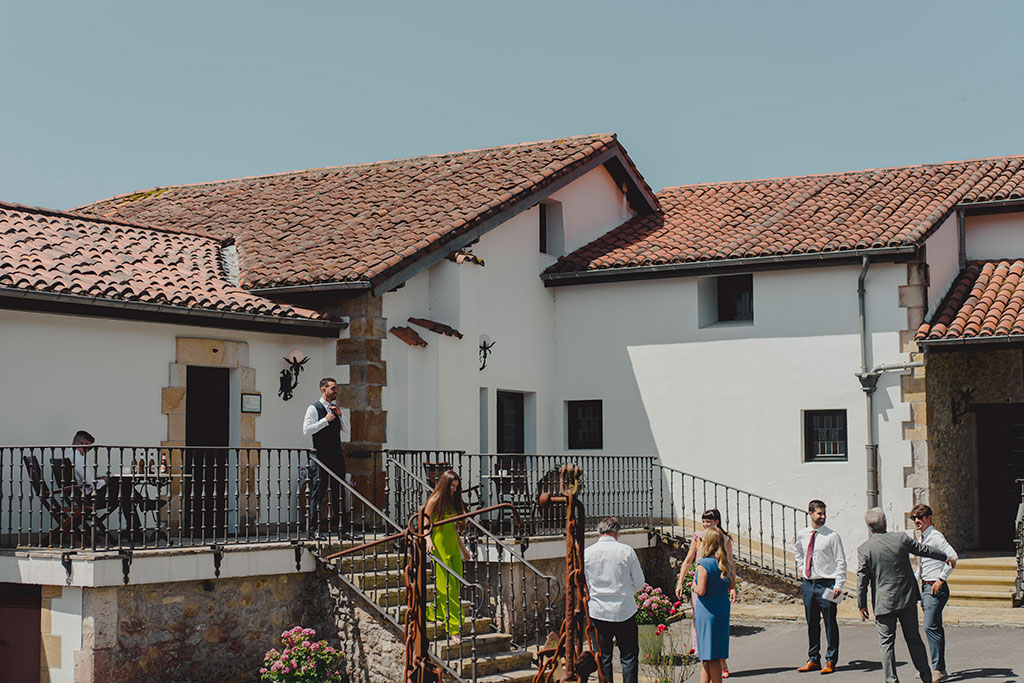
x,y
933,575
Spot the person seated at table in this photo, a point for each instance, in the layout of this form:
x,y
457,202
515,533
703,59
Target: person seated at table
x,y
92,486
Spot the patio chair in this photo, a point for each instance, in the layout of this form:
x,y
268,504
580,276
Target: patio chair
x,y
433,471
74,521
64,478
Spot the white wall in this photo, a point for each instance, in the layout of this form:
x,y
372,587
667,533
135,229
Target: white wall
x,y
66,621
942,254
60,373
433,393
997,236
724,402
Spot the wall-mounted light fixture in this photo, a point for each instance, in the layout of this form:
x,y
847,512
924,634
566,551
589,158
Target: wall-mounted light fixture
x,y
290,375
485,349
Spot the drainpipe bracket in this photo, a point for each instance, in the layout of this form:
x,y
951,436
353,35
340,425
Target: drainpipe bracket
x,y
868,381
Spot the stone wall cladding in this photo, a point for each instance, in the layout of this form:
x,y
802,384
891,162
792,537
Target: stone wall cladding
x,y
180,632
361,351
994,377
914,297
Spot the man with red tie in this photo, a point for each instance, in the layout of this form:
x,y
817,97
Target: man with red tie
x,y
822,562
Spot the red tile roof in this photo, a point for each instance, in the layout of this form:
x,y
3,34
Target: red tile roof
x,y
799,215
986,300
65,254
358,223
408,335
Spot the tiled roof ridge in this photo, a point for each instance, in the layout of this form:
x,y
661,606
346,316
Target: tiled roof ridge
x,y
91,218
607,138
838,174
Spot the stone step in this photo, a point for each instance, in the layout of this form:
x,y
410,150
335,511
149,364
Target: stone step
x,y
980,579
399,610
488,665
393,596
482,626
380,579
977,597
484,643
997,563
370,562
517,676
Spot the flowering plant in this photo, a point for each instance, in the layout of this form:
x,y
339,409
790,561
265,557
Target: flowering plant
x,y
665,664
687,582
302,660
652,606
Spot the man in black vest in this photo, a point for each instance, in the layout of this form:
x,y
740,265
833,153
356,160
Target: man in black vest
x,y
325,423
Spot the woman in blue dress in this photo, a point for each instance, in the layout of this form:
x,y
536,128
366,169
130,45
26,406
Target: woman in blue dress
x,y
711,613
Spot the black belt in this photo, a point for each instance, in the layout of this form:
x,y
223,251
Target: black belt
x,y
817,582
927,583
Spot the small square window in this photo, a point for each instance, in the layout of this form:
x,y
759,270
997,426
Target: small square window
x,y
825,435
736,297
585,425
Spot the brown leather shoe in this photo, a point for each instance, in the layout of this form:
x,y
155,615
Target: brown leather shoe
x,y
809,666
828,668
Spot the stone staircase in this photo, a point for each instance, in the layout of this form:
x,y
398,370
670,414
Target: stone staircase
x,y
380,578
983,581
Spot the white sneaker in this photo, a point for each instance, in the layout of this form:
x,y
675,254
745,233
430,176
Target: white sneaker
x,y
938,676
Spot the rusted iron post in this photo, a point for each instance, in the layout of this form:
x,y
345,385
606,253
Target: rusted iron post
x,y
565,659
419,667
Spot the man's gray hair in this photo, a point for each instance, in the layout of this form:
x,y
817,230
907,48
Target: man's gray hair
x,y
875,519
609,525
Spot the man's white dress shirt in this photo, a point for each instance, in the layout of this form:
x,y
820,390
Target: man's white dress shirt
x,y
84,475
613,576
829,558
934,570
312,425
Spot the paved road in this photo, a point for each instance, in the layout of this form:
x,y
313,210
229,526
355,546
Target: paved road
x,y
772,650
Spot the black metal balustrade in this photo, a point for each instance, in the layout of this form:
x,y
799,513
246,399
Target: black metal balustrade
x,y
149,497
762,530
521,600
619,486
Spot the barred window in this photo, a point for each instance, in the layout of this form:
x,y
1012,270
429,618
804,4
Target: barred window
x,y
585,427
825,435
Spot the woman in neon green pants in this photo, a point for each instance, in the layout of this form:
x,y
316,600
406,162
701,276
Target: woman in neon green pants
x,y
444,542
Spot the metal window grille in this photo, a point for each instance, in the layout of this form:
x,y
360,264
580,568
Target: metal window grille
x,y
825,435
585,428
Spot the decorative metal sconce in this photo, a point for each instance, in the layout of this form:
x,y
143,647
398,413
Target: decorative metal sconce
x,y
485,349
290,375
960,404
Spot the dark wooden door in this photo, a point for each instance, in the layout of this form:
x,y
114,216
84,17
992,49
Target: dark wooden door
x,y
511,422
20,613
1000,463
207,415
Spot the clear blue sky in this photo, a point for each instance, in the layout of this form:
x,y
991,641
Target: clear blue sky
x,y
101,98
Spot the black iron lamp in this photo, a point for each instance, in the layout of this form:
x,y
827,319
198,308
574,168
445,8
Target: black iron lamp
x,y
290,375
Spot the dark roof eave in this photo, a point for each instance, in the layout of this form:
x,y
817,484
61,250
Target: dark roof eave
x,y
75,304
349,285
776,262
958,343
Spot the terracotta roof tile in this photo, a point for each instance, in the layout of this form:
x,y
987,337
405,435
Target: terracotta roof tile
x,y
51,251
986,300
355,223
804,214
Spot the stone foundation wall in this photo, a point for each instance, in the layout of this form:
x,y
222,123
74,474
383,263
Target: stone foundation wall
x,y
993,377
184,632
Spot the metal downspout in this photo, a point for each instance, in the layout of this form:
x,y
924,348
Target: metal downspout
x,y
868,382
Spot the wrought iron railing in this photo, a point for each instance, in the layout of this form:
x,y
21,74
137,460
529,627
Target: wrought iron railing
x,y
114,497
521,599
1019,541
762,530
377,574
619,486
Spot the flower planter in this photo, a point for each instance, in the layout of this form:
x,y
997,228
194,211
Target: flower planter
x,y
650,643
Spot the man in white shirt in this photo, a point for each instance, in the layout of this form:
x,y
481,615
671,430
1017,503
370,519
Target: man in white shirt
x,y
822,563
325,423
85,476
613,577
933,575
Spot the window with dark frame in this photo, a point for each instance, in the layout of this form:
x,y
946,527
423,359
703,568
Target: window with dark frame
x,y
511,422
736,297
585,425
543,208
825,435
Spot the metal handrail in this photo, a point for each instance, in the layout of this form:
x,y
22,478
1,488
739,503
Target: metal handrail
x,y
477,589
1019,541
761,537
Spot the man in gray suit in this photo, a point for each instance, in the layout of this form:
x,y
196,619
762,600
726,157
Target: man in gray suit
x,y
884,564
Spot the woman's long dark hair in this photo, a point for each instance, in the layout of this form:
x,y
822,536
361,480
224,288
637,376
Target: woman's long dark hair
x,y
714,514
441,502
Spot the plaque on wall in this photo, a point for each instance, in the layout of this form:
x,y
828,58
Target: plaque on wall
x,y
252,403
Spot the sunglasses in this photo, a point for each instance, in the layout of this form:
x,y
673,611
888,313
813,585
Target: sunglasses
x,y
918,516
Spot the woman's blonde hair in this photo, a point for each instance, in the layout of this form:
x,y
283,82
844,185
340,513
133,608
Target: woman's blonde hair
x,y
712,544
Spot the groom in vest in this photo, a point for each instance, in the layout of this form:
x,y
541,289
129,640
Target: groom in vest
x,y
325,423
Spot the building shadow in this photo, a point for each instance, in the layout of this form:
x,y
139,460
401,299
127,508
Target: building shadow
x,y
739,630
983,673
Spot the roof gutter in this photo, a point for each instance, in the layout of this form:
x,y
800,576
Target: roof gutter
x,y
959,342
851,256
163,312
